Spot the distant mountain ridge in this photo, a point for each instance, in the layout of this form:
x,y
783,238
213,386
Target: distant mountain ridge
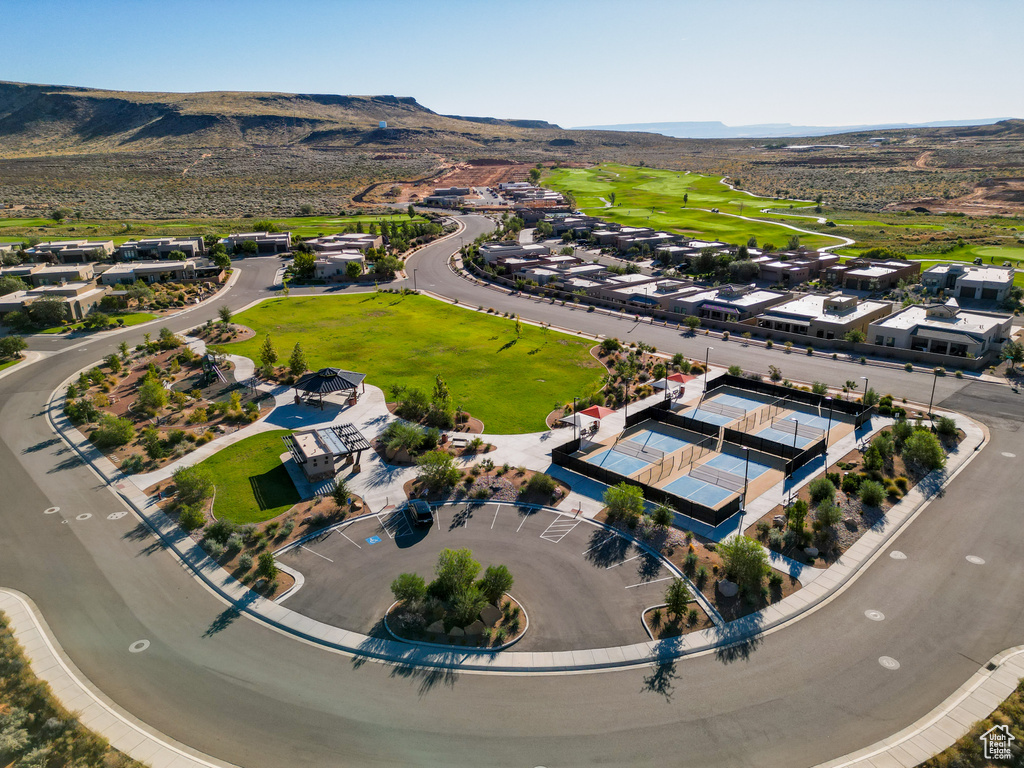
x,y
717,130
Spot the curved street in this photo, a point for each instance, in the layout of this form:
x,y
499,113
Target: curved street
x,y
248,695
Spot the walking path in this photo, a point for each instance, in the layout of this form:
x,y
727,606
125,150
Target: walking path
x,y
380,484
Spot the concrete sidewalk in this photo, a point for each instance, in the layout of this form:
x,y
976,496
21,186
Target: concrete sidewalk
x,y
93,709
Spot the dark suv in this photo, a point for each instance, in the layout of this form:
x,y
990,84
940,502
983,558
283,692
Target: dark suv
x,y
418,513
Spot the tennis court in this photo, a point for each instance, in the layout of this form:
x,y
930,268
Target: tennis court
x,y
735,465
744,404
807,420
617,462
652,438
698,491
718,419
786,438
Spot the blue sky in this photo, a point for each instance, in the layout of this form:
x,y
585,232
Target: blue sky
x,y
569,62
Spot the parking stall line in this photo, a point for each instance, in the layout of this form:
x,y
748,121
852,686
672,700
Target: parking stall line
x,y
645,583
303,546
525,518
343,534
616,565
600,543
496,511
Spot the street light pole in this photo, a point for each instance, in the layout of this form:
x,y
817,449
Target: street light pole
x,y
931,399
707,356
828,430
864,399
414,281
746,465
575,418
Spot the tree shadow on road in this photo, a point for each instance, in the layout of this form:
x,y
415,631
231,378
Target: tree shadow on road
x,y
738,639
142,533
379,647
648,567
72,462
607,548
42,445
661,680
227,617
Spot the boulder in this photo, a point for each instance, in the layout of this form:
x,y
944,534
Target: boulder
x,y
437,627
475,629
490,615
456,632
811,551
727,588
779,521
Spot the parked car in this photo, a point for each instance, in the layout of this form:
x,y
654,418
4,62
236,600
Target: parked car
x,y
418,512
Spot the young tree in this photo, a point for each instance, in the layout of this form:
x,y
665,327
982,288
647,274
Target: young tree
x,y
340,495
113,432
297,364
624,501
663,515
409,588
353,270
195,484
225,314
745,560
12,346
438,470
304,265
411,211
692,323
268,355
923,448
686,198
267,568
455,571
48,311
152,396
1013,353
519,327
497,580
676,598
10,284
124,350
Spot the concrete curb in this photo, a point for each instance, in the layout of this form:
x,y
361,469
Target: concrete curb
x,y
93,710
825,587
948,722
468,650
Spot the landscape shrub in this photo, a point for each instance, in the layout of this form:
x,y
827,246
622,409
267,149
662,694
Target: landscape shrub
x,y
797,514
701,577
901,430
690,563
835,478
745,560
945,426
663,516
851,483
496,581
542,484
871,493
775,580
220,531
624,501
873,458
924,449
245,561
829,513
409,588
776,540
821,489
234,543
132,465
195,484
190,517
113,431
213,548
902,483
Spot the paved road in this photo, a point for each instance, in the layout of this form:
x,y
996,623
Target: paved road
x,y
247,694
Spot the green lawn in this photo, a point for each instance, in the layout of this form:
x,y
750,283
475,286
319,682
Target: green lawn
x,y
252,483
109,229
130,319
649,197
9,363
510,384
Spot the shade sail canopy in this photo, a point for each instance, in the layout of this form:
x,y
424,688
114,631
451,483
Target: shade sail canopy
x,y
597,411
328,380
579,419
682,378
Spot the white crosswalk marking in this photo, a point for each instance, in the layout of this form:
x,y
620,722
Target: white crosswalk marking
x,y
559,529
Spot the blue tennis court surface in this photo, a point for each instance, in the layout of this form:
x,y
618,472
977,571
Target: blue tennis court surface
x,y
735,465
806,420
614,461
649,438
707,417
698,491
736,401
786,438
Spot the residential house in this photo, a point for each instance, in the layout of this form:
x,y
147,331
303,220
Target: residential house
x,y
333,266
871,274
345,242
969,281
149,272
824,317
156,248
728,302
266,242
79,298
943,329
494,250
71,251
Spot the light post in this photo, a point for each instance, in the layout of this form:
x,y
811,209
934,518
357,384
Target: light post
x,y
864,400
575,418
746,465
931,399
414,281
707,356
828,430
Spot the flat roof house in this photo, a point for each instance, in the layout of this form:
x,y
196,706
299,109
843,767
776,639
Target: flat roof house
x,y
728,302
149,272
6,247
871,274
943,329
71,251
157,248
60,273
333,266
345,241
78,298
969,281
266,242
795,268
494,250
823,317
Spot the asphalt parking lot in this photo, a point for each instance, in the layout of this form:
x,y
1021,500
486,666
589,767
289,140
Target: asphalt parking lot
x,y
581,585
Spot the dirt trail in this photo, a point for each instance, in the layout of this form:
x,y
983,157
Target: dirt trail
x,y
197,162
922,160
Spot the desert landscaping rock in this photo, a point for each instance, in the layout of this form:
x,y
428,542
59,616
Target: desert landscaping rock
x,y
727,588
475,629
811,551
490,615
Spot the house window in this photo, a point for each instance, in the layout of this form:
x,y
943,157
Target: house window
x,y
919,345
879,340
